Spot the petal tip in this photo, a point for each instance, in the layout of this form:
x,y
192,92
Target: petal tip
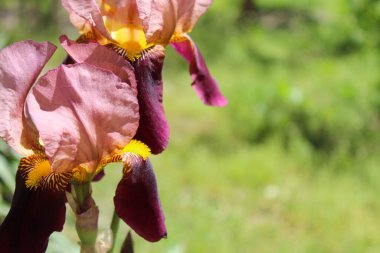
x,y
137,202
219,102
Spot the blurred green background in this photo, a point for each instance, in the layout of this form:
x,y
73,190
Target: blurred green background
x,y
290,165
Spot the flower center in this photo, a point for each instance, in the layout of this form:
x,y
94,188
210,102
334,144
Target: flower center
x,y
129,37
40,171
37,173
80,174
134,149
138,148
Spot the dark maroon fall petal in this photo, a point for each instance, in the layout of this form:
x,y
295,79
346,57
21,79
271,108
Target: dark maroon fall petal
x,y
68,60
137,202
203,83
153,129
99,176
33,216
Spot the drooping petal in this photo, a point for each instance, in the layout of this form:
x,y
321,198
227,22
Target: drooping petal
x,y
137,202
100,56
85,12
153,128
20,65
83,113
203,83
33,216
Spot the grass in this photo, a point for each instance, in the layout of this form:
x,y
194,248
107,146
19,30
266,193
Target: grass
x,y
291,164
258,199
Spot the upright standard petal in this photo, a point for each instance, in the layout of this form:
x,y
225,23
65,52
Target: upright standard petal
x,y
84,12
203,83
33,216
122,12
188,14
100,56
137,202
20,65
83,113
158,19
153,128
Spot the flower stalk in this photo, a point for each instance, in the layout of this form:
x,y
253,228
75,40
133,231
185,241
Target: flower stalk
x,y
87,214
114,227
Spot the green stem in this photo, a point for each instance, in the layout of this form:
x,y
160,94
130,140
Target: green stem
x,y
87,216
82,192
114,227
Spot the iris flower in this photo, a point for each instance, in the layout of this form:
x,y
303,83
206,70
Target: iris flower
x,y
69,125
139,31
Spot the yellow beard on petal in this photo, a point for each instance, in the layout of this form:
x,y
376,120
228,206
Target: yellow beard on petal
x,y
134,149
35,176
138,148
37,173
178,38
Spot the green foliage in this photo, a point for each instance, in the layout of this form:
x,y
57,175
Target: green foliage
x,y
291,164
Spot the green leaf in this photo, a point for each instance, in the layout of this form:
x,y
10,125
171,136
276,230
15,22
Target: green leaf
x,y
6,174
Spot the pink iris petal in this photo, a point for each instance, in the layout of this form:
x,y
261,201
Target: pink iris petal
x,y
83,113
84,12
203,83
122,11
161,19
20,65
100,56
137,202
33,216
158,19
188,14
153,129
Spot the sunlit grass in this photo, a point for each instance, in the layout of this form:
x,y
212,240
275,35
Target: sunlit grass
x,y
291,164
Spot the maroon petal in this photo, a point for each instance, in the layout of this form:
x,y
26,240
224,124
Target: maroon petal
x,y
99,176
33,216
153,129
138,204
203,83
